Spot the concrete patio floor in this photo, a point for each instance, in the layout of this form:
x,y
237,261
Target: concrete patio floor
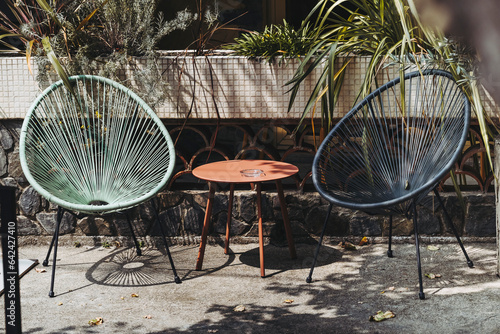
x,y
348,287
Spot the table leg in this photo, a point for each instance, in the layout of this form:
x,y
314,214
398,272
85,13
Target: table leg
x,y
261,232
229,215
286,221
206,223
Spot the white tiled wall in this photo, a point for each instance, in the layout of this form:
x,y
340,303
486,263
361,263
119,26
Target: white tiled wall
x,y
240,88
18,87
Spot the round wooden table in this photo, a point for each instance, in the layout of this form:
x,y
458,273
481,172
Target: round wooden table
x,y
245,171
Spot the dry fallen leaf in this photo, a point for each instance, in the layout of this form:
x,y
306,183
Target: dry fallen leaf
x,y
364,241
432,248
381,315
347,245
149,316
59,304
288,301
40,270
134,295
96,321
432,276
239,308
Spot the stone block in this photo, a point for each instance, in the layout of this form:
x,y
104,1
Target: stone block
x,y
362,224
26,226
455,210
171,198
48,221
267,207
305,200
193,220
4,166
146,211
266,229
29,202
6,139
295,212
120,225
400,225
246,207
221,201
237,227
338,222
171,220
298,228
93,226
201,199
428,221
14,167
480,220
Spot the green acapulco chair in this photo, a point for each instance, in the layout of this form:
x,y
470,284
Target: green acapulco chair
x,y
96,148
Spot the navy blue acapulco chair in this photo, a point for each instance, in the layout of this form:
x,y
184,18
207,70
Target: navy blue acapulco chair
x,y
393,148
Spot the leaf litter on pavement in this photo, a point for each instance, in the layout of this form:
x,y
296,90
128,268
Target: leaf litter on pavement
x,y
381,316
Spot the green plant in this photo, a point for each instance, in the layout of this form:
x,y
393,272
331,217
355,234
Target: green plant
x,y
389,32
274,42
33,25
93,37
26,24
122,29
206,24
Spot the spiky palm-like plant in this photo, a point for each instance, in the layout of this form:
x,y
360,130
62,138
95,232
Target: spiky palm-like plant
x,y
386,31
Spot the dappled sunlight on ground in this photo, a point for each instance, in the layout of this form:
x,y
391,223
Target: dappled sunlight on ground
x,y
229,296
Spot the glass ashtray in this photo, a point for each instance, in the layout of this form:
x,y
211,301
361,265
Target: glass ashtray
x,y
252,172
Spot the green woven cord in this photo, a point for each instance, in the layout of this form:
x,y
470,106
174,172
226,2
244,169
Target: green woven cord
x,y
99,150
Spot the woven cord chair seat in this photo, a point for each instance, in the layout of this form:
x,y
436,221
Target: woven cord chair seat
x,y
392,148
98,149
95,147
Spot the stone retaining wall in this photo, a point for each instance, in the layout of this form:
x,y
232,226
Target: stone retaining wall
x,y
183,211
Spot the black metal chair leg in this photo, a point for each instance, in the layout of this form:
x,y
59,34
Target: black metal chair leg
x,y
389,251
137,247
452,226
309,278
421,294
176,277
45,262
55,240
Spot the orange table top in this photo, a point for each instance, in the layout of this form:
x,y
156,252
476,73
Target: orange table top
x,y
254,171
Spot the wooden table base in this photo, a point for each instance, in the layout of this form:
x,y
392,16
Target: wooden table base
x,y
208,213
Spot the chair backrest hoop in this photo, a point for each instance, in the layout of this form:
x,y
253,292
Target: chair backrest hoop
x,y
95,208
423,189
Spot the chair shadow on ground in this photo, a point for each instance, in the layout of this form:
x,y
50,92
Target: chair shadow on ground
x,y
277,258
342,301
124,268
